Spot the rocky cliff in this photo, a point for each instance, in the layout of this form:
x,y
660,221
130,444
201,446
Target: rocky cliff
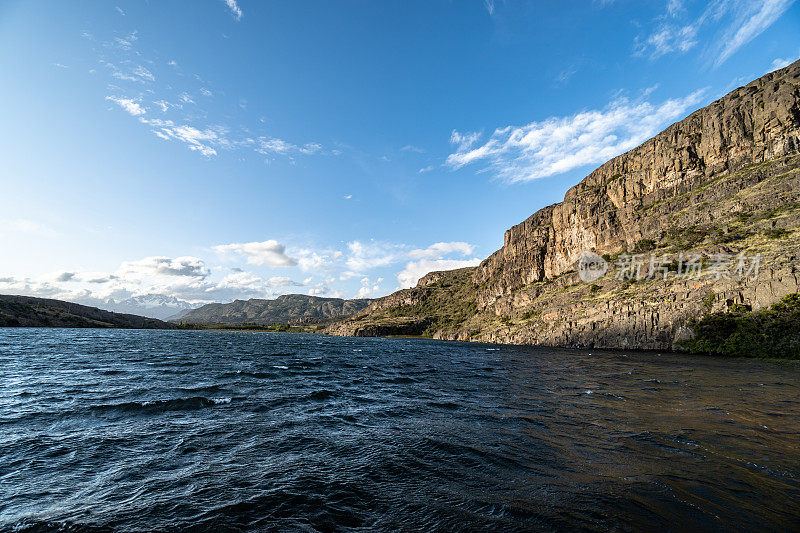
x,y
288,308
722,183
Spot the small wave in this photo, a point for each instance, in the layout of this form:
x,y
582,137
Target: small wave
x,y
444,405
159,406
400,380
322,394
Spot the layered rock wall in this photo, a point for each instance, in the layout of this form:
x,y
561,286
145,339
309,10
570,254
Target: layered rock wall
x,y
755,123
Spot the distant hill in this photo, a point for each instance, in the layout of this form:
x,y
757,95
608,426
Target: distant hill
x,y
289,308
26,311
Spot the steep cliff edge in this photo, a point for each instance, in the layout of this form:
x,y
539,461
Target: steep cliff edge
x,y
724,182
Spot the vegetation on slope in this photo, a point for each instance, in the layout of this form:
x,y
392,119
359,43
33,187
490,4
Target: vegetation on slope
x,y
26,311
441,305
771,333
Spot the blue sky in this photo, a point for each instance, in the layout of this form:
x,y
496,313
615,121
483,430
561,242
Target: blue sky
x,y
179,153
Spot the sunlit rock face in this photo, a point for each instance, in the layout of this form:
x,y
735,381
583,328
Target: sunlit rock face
x,y
609,210
725,181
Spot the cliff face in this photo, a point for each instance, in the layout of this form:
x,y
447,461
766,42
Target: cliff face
x,y
722,182
288,308
755,123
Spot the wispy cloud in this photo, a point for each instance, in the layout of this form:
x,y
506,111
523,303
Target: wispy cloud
x,y
559,144
750,23
234,8
412,148
206,141
269,146
181,118
126,43
425,169
130,105
730,25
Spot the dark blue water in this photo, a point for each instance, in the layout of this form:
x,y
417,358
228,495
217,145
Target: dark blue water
x,y
153,430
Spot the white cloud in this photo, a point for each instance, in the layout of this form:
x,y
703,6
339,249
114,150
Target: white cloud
x,y
426,169
130,105
780,62
126,43
269,146
348,196
313,260
559,144
64,276
414,270
440,249
120,11
205,141
241,280
282,281
270,253
234,7
369,288
365,256
143,73
164,266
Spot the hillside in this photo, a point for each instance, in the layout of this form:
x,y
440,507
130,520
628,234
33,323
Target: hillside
x,y
288,308
720,187
26,311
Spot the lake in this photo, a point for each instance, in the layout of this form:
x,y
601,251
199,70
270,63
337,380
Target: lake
x,y
162,430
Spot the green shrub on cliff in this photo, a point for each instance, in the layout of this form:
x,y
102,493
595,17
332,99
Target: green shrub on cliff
x,y
773,332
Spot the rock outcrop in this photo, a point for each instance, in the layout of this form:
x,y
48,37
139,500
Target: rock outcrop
x,y
724,182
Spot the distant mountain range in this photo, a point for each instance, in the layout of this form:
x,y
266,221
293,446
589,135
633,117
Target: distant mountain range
x,y
27,311
289,308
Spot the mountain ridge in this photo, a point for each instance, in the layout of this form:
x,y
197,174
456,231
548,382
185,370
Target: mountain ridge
x,y
285,309
28,311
